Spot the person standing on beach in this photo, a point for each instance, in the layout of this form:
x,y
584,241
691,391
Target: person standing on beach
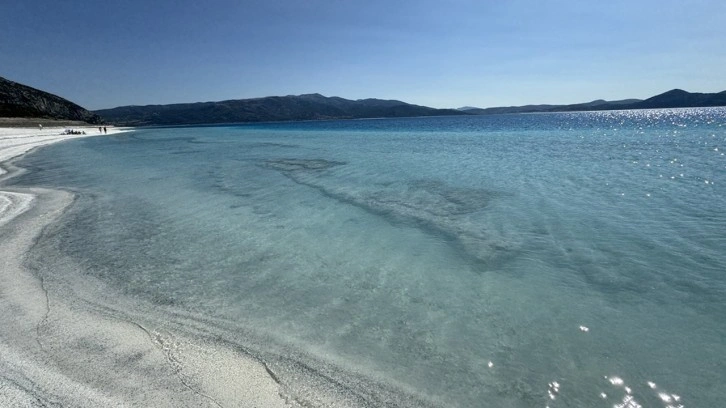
x,y
40,126
104,130
100,129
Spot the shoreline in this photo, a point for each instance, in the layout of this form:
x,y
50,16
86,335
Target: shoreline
x,y
70,340
42,329
57,353
16,142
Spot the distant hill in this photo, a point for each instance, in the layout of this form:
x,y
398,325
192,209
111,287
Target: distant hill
x,y
675,98
510,109
599,104
268,109
678,98
21,101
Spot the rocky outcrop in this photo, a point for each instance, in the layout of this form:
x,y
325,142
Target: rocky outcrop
x,y
21,101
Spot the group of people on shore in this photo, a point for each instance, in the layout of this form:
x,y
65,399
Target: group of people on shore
x,y
67,131
73,132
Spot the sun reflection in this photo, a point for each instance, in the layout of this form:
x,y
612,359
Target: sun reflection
x,y
629,400
553,389
665,397
615,380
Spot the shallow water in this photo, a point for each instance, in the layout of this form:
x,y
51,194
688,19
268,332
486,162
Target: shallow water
x,y
557,260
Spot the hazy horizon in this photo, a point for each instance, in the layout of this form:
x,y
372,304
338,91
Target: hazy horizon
x,y
465,53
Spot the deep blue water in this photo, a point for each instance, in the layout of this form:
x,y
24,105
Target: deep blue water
x,y
560,260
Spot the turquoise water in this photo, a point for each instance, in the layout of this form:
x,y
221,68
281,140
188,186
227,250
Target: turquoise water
x,y
560,260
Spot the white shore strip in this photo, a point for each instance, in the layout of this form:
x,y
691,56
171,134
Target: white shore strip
x,y
18,141
15,142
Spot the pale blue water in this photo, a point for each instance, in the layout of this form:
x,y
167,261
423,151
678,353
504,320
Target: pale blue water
x,y
560,260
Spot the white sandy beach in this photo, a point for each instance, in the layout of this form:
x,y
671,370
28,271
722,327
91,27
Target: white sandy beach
x,y
58,349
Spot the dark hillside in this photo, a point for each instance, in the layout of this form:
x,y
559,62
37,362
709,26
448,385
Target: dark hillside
x,y
269,109
20,101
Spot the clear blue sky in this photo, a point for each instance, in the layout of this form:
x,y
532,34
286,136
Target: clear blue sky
x,y
102,54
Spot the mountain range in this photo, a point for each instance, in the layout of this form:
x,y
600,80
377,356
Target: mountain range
x,y
675,98
268,109
21,101
317,107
